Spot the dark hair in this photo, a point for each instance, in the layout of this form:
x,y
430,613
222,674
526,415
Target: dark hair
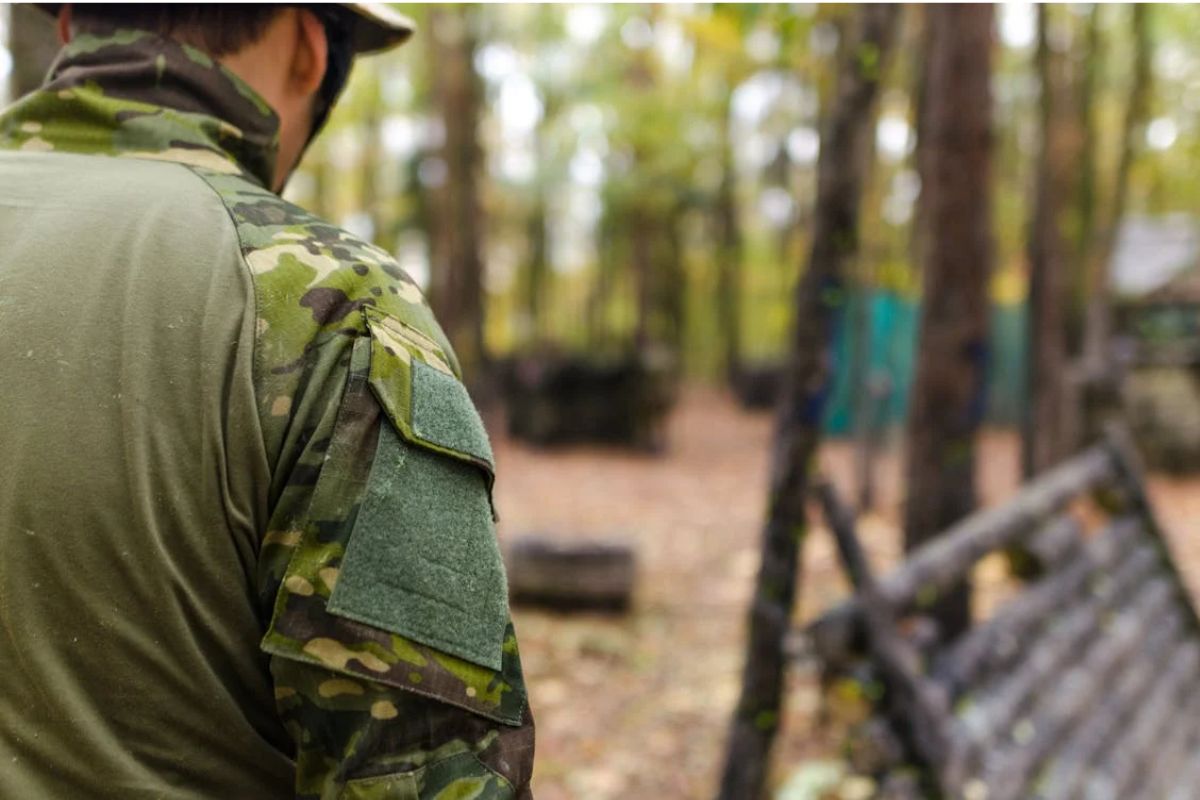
x,y
218,29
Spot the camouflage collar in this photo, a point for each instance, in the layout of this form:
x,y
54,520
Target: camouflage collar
x,y
131,93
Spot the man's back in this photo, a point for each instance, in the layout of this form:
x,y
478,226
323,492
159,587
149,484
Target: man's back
x,y
248,547
130,444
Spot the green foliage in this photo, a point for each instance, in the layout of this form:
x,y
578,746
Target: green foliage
x,y
601,119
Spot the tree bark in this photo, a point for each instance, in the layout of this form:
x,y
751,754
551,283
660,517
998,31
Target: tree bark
x,y
867,391
1045,439
1085,197
819,298
1098,323
456,274
948,394
729,254
33,45
537,268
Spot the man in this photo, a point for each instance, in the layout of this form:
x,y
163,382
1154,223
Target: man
x,y
246,538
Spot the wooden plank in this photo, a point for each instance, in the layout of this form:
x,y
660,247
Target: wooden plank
x,y
941,564
1003,639
1056,542
569,575
1079,754
1129,471
1179,740
918,708
1061,667
1188,777
1009,771
1131,758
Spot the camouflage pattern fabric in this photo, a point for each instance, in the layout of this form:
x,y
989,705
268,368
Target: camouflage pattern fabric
x,y
374,713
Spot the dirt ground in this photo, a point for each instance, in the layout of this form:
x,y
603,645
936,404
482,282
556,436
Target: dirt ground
x,y
636,706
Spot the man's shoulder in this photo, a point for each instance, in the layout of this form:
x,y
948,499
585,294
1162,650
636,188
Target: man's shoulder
x,y
311,276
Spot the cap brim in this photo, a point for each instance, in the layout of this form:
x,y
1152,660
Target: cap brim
x,y
378,27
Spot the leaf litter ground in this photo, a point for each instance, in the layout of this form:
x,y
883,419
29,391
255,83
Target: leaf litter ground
x,y
636,706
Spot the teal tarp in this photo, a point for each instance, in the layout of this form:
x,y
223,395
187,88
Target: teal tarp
x,y
891,360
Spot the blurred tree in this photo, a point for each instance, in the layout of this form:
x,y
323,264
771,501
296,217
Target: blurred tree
x,y
949,389
456,259
1083,246
1098,322
819,298
33,44
728,249
1046,437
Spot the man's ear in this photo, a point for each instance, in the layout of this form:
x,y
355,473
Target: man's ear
x,y
311,54
64,24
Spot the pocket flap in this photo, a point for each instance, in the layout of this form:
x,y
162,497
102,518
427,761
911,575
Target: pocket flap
x,y
412,379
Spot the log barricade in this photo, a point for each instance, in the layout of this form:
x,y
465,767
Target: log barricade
x,y
1085,682
560,399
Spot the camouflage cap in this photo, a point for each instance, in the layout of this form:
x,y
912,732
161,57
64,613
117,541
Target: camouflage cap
x,y
377,26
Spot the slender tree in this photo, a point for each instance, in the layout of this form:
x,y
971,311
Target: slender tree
x,y
729,251
456,274
1086,190
949,388
818,301
1098,321
1045,438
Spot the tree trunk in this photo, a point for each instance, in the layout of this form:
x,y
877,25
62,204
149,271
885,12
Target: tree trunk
x,y
729,254
819,298
1085,198
33,44
456,270
948,394
1045,439
537,268
371,198
1098,321
865,387
642,260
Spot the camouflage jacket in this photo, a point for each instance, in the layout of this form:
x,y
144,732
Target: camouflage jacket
x,y
372,571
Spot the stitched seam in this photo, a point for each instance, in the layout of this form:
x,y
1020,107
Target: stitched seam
x,y
256,351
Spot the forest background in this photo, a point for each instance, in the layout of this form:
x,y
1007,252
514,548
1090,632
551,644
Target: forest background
x,y
596,181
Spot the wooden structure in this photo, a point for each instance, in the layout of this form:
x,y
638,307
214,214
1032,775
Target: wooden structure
x,y
571,576
1161,328
1082,684
555,399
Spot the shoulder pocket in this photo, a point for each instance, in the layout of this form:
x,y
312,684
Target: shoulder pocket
x,y
422,560
412,378
395,574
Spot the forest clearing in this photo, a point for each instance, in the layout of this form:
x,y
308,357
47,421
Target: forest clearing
x,y
840,364
637,706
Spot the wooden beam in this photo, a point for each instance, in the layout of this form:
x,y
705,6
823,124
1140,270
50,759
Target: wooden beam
x,y
1071,647
941,564
1009,772
918,708
1080,753
571,575
1133,756
1004,639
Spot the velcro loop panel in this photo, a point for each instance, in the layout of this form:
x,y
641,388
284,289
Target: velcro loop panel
x,y
423,561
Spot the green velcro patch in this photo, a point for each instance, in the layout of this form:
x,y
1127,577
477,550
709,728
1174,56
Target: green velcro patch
x,y
442,413
422,560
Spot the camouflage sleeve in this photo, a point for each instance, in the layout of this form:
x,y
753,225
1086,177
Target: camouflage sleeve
x,y
395,662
